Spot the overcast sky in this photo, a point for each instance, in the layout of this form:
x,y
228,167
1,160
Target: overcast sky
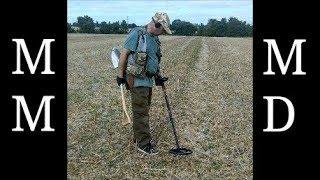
x,y
140,12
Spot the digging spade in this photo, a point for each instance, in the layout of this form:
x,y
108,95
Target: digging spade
x,y
115,56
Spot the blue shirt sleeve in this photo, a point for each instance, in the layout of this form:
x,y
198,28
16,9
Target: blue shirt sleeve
x,y
131,41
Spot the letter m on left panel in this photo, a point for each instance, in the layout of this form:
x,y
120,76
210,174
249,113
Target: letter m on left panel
x,y
22,47
21,102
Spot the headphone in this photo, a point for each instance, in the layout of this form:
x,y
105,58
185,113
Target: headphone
x,y
156,24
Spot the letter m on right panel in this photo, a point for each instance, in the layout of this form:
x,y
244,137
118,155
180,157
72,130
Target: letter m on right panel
x,y
296,47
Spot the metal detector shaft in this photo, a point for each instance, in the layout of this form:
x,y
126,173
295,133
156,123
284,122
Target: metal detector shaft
x,y
170,116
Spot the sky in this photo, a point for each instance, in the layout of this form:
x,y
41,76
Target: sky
x,y
140,12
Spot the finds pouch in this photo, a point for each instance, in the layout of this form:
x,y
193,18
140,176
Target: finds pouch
x,y
137,60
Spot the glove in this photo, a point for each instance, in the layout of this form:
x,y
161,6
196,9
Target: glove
x,y
121,81
159,80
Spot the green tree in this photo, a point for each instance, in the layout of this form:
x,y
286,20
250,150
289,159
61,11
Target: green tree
x,y
69,28
97,24
86,24
235,27
115,28
123,27
210,28
133,25
200,30
229,28
221,27
104,28
183,28
75,24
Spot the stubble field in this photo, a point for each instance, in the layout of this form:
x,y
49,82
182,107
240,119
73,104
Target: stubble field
x,y
210,91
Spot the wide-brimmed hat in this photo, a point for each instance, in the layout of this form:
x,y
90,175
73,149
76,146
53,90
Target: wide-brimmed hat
x,y
164,20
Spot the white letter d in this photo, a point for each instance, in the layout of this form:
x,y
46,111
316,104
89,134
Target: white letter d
x,y
270,127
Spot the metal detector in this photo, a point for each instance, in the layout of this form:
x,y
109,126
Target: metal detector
x,y
178,150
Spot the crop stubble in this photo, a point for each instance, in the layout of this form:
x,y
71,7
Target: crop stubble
x,y
210,91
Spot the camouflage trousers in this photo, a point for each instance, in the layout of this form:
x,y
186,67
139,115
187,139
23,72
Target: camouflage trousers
x,y
141,101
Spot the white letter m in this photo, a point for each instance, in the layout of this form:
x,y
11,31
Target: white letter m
x,y
33,66
20,101
284,67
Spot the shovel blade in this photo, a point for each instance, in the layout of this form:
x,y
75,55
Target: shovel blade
x,y
115,56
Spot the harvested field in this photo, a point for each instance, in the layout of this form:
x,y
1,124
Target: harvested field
x,y
210,90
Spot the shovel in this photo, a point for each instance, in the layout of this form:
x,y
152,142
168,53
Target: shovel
x,y
115,55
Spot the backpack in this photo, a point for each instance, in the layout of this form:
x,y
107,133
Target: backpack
x,y
137,60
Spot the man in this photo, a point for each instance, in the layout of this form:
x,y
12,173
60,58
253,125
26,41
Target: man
x,y
141,85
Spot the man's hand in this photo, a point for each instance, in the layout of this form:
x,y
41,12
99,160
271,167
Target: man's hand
x,y
121,81
159,80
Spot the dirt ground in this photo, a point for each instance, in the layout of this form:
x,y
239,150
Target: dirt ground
x,y
210,91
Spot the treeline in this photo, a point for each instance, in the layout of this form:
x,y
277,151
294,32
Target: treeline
x,y
86,24
231,27
223,28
